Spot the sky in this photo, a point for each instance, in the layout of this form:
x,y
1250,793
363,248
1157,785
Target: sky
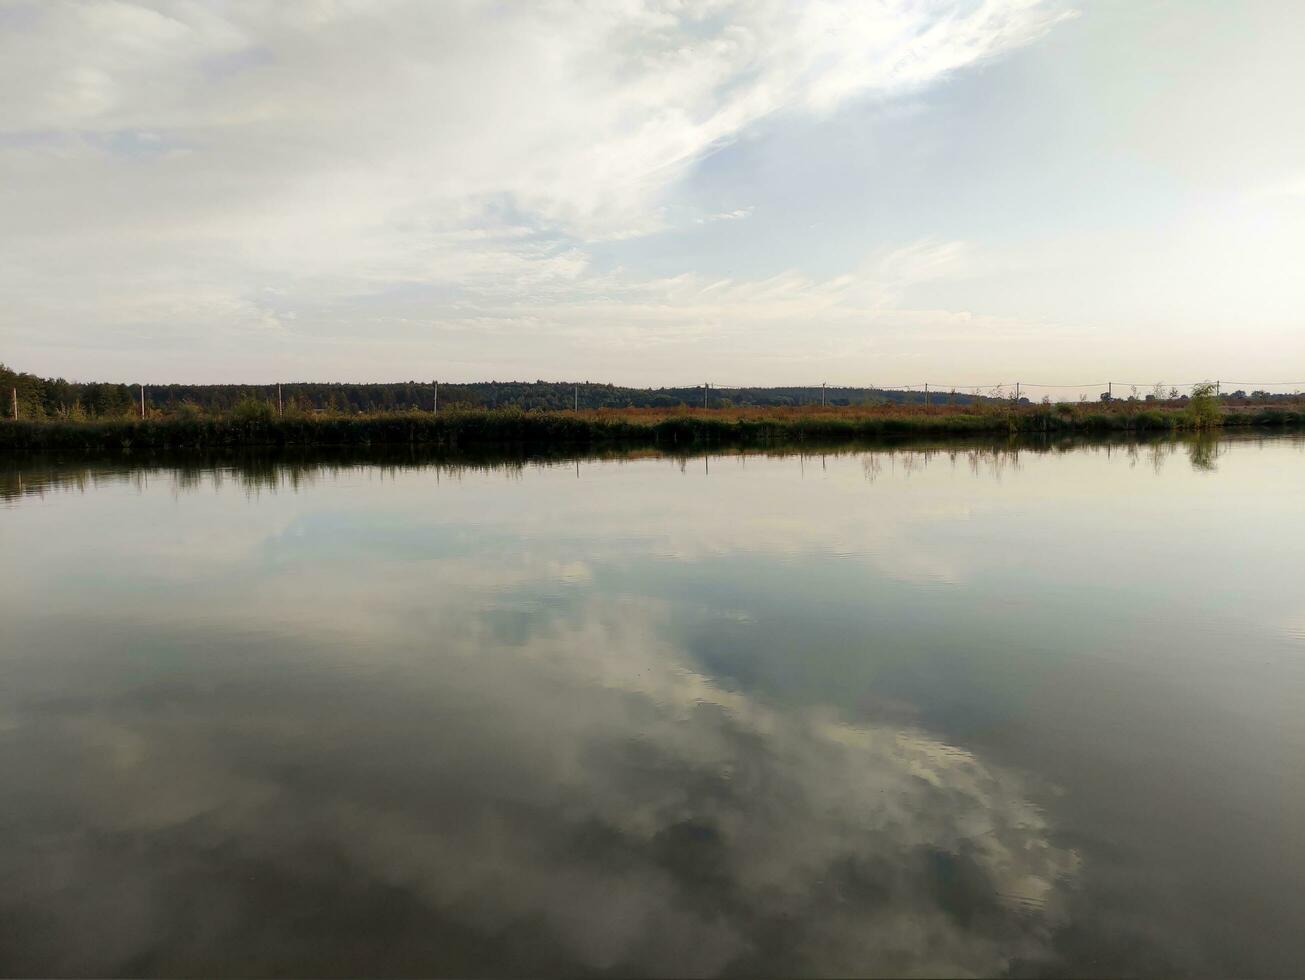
x,y
654,192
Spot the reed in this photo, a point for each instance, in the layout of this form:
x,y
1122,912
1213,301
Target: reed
x,y
668,430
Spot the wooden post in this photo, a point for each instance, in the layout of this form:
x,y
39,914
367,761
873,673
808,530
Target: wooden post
x,y
142,401
280,409
15,403
435,402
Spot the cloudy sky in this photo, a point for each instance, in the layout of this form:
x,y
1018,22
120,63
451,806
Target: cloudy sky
x,y
653,191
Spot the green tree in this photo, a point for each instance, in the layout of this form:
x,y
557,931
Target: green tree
x,y
1203,408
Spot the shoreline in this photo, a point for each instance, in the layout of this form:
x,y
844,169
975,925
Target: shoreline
x,y
456,430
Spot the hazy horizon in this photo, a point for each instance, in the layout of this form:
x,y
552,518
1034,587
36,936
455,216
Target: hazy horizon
x,y
967,193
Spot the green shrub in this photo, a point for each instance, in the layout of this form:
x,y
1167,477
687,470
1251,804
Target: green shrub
x,y
253,410
188,411
1203,408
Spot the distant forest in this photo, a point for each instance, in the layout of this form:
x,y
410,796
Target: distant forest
x,y
55,398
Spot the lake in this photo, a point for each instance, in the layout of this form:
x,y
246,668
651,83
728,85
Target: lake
x,y
958,709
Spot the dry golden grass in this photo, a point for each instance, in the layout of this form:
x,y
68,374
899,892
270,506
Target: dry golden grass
x,y
783,413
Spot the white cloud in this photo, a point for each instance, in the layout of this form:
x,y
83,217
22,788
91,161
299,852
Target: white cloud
x,y
738,214
165,164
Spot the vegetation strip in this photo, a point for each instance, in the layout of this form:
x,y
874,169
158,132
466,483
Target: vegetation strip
x,y
471,429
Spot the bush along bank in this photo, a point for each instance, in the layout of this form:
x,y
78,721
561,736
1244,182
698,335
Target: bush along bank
x,y
475,429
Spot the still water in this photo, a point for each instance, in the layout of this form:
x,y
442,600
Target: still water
x,y
935,711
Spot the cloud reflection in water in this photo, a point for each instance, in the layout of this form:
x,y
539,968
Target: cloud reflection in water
x,y
578,799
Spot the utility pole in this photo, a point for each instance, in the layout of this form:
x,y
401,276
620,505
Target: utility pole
x,y
706,387
280,408
1110,390
435,399
1017,391
15,403
822,394
142,401
926,394
577,398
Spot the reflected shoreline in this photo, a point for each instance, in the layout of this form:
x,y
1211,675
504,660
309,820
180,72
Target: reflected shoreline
x,y
26,474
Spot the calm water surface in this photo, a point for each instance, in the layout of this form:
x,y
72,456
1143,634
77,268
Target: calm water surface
x,y
908,712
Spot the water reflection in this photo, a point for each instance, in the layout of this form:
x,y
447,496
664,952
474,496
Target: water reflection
x,y
583,795
264,471
891,712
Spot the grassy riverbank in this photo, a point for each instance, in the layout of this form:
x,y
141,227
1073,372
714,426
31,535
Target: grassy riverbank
x,y
665,430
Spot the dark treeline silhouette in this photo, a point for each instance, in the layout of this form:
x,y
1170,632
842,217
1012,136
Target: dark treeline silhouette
x,y
55,398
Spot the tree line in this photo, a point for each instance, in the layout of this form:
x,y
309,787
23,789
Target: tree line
x,y
55,398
